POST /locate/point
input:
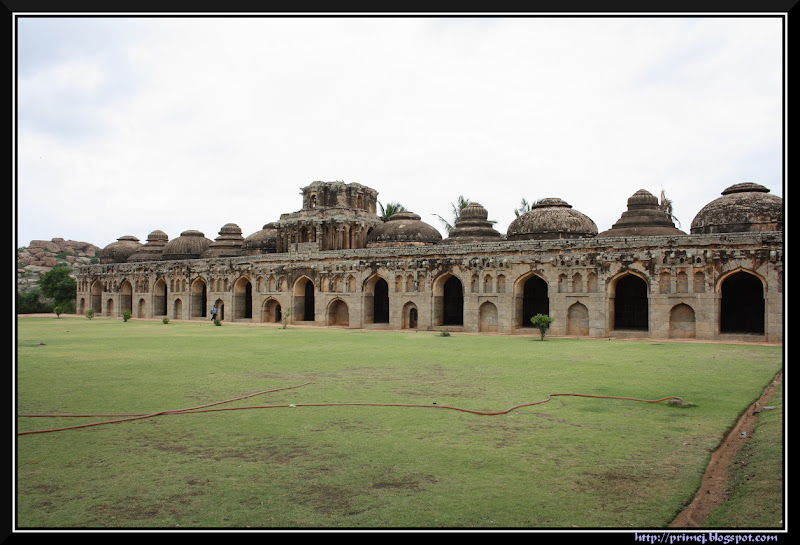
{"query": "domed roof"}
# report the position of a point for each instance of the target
(152, 250)
(551, 218)
(264, 241)
(190, 245)
(473, 226)
(745, 207)
(403, 229)
(643, 218)
(227, 244)
(119, 251)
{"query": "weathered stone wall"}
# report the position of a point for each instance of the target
(683, 276)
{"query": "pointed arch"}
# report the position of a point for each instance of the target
(448, 300)
(242, 299)
(682, 323)
(629, 295)
(338, 314)
(304, 303)
(531, 297)
(742, 305)
(198, 298)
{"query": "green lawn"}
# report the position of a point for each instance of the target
(572, 462)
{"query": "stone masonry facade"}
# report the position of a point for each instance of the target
(336, 263)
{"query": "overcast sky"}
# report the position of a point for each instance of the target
(128, 125)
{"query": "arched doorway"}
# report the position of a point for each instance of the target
(160, 298)
(96, 295)
(453, 302)
(126, 297)
(380, 303)
(198, 298)
(304, 300)
(271, 312)
(630, 303)
(742, 304)
(243, 299)
(534, 300)
(410, 316)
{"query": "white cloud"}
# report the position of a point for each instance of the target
(194, 123)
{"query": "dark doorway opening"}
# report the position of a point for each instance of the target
(534, 299)
(742, 307)
(630, 303)
(453, 302)
(380, 302)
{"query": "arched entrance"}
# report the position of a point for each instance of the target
(304, 300)
(160, 298)
(630, 303)
(742, 304)
(453, 302)
(532, 299)
(271, 312)
(96, 295)
(410, 316)
(126, 297)
(243, 299)
(376, 300)
(198, 298)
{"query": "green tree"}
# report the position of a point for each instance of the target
(391, 209)
(542, 321)
(29, 303)
(455, 213)
(58, 285)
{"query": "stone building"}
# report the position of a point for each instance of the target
(337, 263)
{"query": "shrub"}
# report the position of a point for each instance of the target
(90, 313)
(217, 321)
(165, 321)
(126, 315)
(542, 321)
(444, 333)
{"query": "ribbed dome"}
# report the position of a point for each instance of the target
(152, 250)
(551, 218)
(643, 218)
(190, 245)
(264, 241)
(227, 244)
(473, 226)
(745, 207)
(403, 229)
(121, 250)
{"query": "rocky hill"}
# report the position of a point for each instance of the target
(42, 255)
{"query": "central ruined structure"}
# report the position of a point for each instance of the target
(335, 262)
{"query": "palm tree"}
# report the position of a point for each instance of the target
(524, 206)
(456, 209)
(391, 209)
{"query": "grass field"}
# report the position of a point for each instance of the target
(572, 462)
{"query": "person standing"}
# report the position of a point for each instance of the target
(213, 313)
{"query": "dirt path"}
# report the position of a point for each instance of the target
(713, 487)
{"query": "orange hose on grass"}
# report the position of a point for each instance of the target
(206, 408)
